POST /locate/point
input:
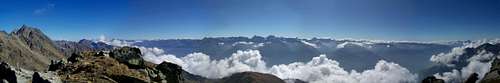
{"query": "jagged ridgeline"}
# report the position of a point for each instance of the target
(28, 48)
(27, 55)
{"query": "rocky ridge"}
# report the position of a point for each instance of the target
(28, 48)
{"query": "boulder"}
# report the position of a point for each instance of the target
(130, 56)
(38, 79)
(75, 57)
(56, 65)
(171, 71)
(472, 78)
(432, 79)
(6, 73)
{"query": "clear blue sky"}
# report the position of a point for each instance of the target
(416, 20)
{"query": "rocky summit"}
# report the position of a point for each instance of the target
(28, 48)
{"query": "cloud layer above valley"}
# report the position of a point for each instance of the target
(319, 69)
(479, 63)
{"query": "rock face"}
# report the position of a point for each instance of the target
(251, 77)
(171, 71)
(54, 65)
(472, 78)
(7, 74)
(493, 76)
(28, 48)
(37, 79)
(132, 57)
(432, 79)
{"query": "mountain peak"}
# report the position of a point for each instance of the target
(27, 29)
(28, 45)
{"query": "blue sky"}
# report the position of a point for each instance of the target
(415, 20)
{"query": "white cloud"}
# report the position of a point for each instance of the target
(310, 44)
(362, 44)
(44, 9)
(457, 76)
(319, 70)
(455, 54)
(323, 70)
(255, 45)
(479, 63)
(201, 64)
(242, 43)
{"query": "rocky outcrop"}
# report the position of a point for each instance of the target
(171, 71)
(75, 57)
(36, 78)
(251, 77)
(432, 79)
(37, 41)
(7, 74)
(472, 78)
(55, 65)
(91, 67)
(493, 76)
(28, 48)
(132, 57)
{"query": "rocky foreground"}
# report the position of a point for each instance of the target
(123, 64)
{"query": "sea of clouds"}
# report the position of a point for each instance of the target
(479, 63)
(319, 69)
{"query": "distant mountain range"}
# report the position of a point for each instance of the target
(351, 54)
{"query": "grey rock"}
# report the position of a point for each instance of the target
(131, 56)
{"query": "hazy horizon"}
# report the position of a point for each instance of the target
(410, 20)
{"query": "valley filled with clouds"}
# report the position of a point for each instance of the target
(321, 68)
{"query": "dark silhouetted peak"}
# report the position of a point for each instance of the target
(251, 77)
(432, 79)
(270, 37)
(472, 78)
(25, 29)
(85, 41)
(6, 73)
(489, 48)
(171, 71)
(258, 38)
(28, 45)
(38, 79)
